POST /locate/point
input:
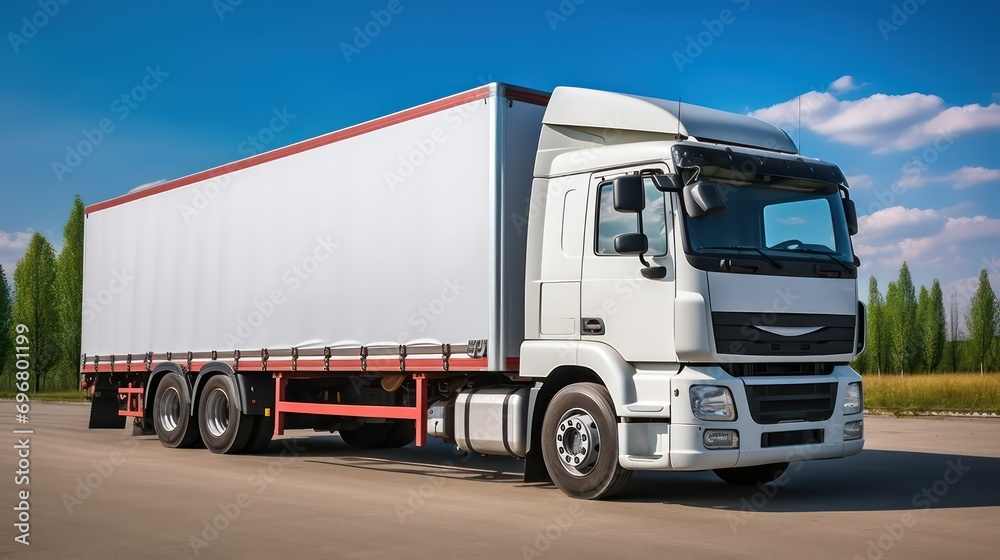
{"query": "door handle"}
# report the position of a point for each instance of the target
(593, 326)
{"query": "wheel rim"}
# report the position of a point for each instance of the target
(217, 413)
(170, 409)
(578, 442)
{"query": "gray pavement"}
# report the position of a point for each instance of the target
(923, 488)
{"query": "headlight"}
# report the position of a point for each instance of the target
(709, 402)
(852, 400)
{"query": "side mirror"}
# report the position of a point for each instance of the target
(631, 244)
(851, 213)
(670, 182)
(702, 198)
(629, 194)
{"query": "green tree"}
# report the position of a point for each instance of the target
(923, 319)
(876, 345)
(894, 327)
(70, 285)
(36, 305)
(934, 328)
(908, 318)
(982, 321)
(955, 331)
(6, 325)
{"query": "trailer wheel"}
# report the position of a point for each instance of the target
(749, 476)
(260, 435)
(580, 443)
(403, 433)
(224, 429)
(171, 413)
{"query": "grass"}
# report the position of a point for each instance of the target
(945, 392)
(60, 396)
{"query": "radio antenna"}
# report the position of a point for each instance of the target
(800, 123)
(678, 117)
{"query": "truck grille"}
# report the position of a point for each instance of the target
(748, 334)
(803, 402)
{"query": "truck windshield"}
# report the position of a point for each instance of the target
(775, 223)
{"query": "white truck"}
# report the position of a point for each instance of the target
(597, 283)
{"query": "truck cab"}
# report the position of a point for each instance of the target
(699, 273)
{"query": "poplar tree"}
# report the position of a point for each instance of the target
(982, 320)
(70, 285)
(934, 328)
(36, 305)
(6, 325)
(875, 346)
(923, 320)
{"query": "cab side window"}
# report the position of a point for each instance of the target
(611, 224)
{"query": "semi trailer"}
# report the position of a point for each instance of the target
(594, 282)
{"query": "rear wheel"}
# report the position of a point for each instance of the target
(749, 476)
(260, 435)
(224, 429)
(172, 420)
(580, 442)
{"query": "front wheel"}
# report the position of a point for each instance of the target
(580, 443)
(749, 476)
(224, 429)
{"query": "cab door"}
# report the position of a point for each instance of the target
(620, 307)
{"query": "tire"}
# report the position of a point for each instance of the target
(749, 476)
(368, 436)
(403, 433)
(260, 435)
(582, 416)
(172, 420)
(224, 429)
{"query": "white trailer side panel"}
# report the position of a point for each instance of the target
(382, 238)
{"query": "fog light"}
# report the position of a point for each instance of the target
(852, 399)
(854, 430)
(721, 439)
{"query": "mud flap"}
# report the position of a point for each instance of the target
(534, 468)
(104, 407)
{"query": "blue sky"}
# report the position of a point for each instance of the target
(901, 95)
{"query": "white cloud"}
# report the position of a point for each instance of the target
(844, 84)
(883, 122)
(927, 238)
(961, 178)
(12, 248)
(860, 181)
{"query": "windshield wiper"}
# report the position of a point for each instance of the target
(824, 253)
(773, 262)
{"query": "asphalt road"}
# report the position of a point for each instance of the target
(923, 488)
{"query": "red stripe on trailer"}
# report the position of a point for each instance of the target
(417, 413)
(513, 93)
(352, 365)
